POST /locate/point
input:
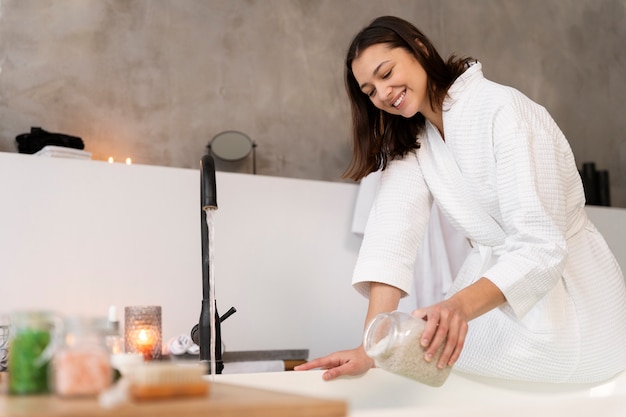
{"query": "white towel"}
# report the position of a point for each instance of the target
(63, 152)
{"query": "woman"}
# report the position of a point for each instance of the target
(540, 296)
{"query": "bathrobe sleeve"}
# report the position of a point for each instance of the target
(531, 167)
(395, 227)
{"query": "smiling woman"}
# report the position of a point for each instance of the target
(502, 172)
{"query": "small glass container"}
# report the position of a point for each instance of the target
(4, 341)
(142, 331)
(113, 338)
(393, 341)
(30, 346)
(81, 366)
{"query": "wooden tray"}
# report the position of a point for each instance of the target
(223, 400)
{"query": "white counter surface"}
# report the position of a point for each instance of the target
(379, 393)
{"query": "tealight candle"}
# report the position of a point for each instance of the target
(142, 331)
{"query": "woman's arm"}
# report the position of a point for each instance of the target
(383, 299)
(393, 234)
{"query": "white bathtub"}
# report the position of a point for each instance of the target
(381, 394)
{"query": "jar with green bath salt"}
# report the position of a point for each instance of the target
(31, 336)
(393, 341)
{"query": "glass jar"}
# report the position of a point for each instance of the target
(4, 341)
(393, 341)
(29, 351)
(81, 365)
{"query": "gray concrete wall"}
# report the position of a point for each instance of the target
(157, 79)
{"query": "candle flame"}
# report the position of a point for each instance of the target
(143, 337)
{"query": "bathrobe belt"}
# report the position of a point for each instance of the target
(486, 252)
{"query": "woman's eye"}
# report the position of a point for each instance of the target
(371, 94)
(387, 75)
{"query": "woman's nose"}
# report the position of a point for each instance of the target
(384, 92)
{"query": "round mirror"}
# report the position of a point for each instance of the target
(231, 145)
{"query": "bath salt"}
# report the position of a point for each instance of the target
(393, 341)
(81, 373)
(82, 366)
(407, 359)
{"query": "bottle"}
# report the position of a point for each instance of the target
(81, 366)
(393, 341)
(113, 338)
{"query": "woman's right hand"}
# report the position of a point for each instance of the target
(383, 298)
(346, 362)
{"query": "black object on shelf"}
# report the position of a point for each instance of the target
(596, 185)
(38, 138)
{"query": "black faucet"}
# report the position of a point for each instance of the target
(201, 332)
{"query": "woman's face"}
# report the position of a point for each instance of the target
(393, 79)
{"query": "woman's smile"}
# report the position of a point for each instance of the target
(393, 79)
(400, 100)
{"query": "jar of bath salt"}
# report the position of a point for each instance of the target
(393, 341)
(81, 366)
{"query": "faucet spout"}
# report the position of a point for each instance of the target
(208, 189)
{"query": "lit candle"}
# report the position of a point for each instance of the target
(143, 331)
(129, 161)
(144, 342)
(111, 160)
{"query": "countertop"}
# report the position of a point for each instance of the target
(223, 400)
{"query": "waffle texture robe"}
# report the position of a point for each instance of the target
(505, 177)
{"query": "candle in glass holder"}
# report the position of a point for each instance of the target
(142, 331)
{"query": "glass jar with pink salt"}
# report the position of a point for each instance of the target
(81, 366)
(393, 341)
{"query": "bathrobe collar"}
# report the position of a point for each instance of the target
(464, 82)
(444, 178)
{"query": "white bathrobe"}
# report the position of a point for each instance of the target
(443, 251)
(506, 178)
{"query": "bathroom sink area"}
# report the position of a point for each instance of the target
(265, 355)
(254, 361)
(382, 394)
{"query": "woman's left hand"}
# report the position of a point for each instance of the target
(445, 323)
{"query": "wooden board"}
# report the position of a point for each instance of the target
(223, 400)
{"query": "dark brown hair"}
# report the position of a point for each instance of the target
(377, 135)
